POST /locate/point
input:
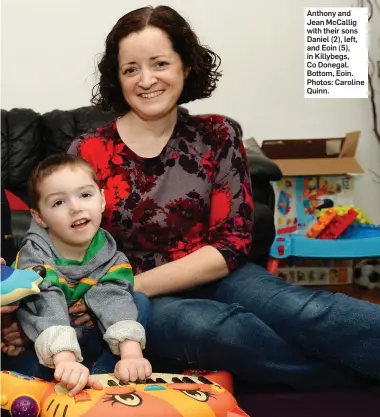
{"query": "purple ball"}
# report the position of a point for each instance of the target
(24, 406)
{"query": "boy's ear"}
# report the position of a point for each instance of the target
(37, 217)
(103, 200)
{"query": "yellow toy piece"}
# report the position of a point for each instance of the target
(362, 217)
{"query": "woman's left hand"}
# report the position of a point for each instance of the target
(11, 332)
(85, 319)
(12, 336)
(8, 309)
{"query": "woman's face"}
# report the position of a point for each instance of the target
(151, 73)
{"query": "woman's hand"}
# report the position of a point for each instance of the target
(12, 336)
(11, 350)
(84, 318)
(8, 309)
(12, 332)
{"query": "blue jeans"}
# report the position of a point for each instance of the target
(96, 354)
(265, 331)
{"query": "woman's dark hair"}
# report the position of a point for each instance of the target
(202, 62)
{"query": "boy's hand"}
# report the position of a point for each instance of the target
(73, 375)
(133, 368)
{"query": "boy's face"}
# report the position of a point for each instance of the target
(70, 206)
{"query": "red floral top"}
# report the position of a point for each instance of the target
(196, 192)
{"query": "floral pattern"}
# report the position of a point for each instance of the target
(196, 192)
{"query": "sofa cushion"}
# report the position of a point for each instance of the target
(61, 127)
(21, 146)
(8, 248)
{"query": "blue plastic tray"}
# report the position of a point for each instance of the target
(304, 247)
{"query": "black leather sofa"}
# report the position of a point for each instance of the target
(27, 137)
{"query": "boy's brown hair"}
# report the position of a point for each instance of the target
(50, 165)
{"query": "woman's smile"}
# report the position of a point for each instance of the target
(152, 94)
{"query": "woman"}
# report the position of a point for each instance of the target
(179, 203)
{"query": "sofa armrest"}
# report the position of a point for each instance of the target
(261, 167)
(20, 221)
(263, 234)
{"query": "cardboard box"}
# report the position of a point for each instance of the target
(305, 271)
(329, 156)
(318, 173)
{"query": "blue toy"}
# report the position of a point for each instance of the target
(361, 231)
(358, 245)
(17, 284)
(283, 204)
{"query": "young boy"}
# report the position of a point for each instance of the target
(82, 264)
